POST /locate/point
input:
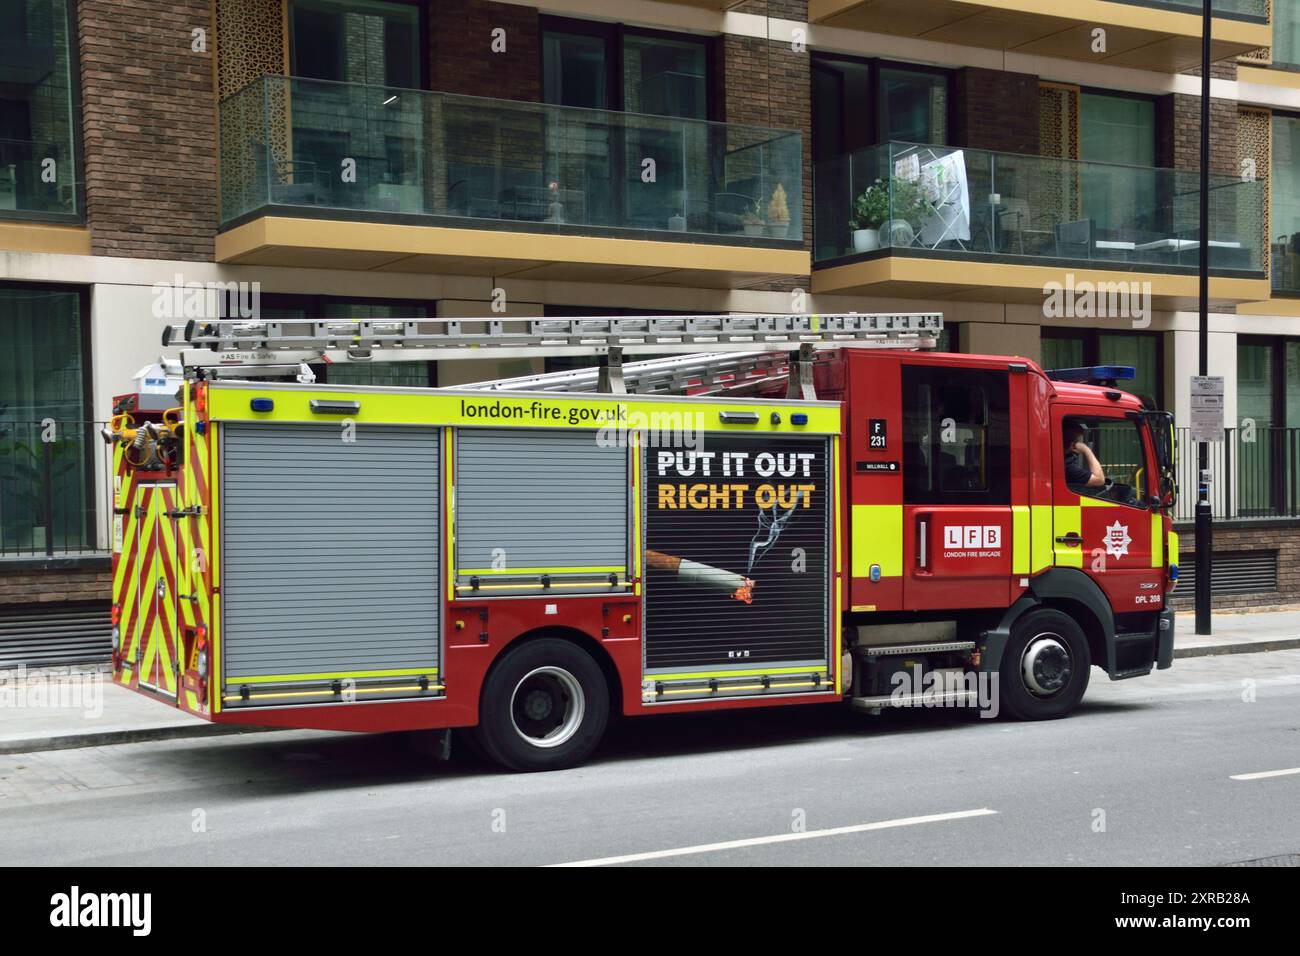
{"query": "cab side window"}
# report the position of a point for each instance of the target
(956, 436)
(1115, 445)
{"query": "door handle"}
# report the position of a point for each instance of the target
(923, 544)
(1073, 539)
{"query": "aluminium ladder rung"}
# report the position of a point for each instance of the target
(254, 342)
(707, 373)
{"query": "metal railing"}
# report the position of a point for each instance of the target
(291, 142)
(917, 199)
(48, 487)
(1255, 473)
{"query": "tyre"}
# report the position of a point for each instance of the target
(545, 706)
(1045, 666)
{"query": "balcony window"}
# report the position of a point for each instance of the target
(912, 106)
(40, 175)
(1079, 348)
(355, 41)
(937, 201)
(1117, 130)
(1286, 33)
(46, 441)
(1284, 196)
(463, 160)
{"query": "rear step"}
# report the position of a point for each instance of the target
(958, 698)
(897, 650)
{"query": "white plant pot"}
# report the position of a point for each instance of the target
(778, 230)
(677, 223)
(753, 228)
(866, 240)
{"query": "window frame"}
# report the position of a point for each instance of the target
(613, 35)
(76, 142)
(92, 512)
(997, 466)
(874, 67)
(313, 306)
(1091, 339)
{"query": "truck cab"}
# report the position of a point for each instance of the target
(977, 517)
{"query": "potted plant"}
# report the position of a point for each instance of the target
(677, 221)
(752, 220)
(870, 209)
(778, 214)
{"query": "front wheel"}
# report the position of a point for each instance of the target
(545, 706)
(1045, 666)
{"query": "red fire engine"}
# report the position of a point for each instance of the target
(783, 510)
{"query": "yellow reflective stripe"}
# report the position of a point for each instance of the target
(1173, 547)
(705, 675)
(1157, 540)
(1067, 518)
(594, 569)
(838, 583)
(703, 690)
(635, 446)
(449, 507)
(877, 532)
(1088, 502)
(1020, 535)
(1040, 521)
(325, 690)
(333, 675)
(411, 407)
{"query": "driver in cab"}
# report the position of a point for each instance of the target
(1081, 466)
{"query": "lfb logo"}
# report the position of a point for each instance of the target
(972, 536)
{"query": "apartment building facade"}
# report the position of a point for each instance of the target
(371, 158)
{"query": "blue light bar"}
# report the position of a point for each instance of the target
(1093, 374)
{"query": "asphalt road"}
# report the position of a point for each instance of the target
(1143, 773)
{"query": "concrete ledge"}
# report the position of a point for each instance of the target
(1239, 647)
(108, 737)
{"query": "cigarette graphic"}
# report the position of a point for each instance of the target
(738, 586)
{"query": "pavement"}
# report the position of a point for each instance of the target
(1198, 765)
(59, 709)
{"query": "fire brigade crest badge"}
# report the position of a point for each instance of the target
(1117, 540)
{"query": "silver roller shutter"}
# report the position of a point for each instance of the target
(529, 499)
(330, 549)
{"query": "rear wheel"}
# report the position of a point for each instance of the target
(1045, 666)
(545, 706)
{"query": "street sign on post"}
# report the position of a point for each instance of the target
(1207, 408)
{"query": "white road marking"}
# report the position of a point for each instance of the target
(782, 838)
(1263, 774)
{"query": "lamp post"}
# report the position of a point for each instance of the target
(1204, 512)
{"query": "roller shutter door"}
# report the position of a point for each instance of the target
(540, 501)
(330, 550)
(737, 562)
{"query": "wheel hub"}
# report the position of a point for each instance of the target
(1046, 665)
(547, 707)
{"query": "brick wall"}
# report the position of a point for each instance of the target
(460, 50)
(769, 84)
(995, 110)
(1178, 120)
(33, 586)
(1285, 540)
(150, 128)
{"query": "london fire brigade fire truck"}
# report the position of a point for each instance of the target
(770, 510)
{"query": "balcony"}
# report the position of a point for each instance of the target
(335, 175)
(938, 222)
(1162, 35)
